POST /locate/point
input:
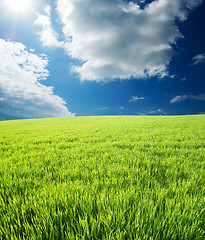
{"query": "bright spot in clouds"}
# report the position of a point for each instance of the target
(19, 5)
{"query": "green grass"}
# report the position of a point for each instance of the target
(103, 178)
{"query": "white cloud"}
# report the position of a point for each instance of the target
(200, 97)
(158, 111)
(22, 94)
(199, 59)
(48, 36)
(118, 39)
(172, 76)
(135, 99)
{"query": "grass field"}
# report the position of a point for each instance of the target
(103, 178)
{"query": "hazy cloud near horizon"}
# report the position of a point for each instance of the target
(118, 39)
(22, 94)
(199, 97)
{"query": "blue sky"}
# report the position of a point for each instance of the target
(104, 57)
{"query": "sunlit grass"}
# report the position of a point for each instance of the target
(103, 178)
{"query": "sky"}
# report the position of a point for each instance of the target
(62, 58)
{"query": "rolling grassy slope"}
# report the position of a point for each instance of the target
(103, 178)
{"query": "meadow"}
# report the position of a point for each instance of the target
(116, 177)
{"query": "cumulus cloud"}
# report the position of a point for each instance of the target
(48, 36)
(200, 97)
(199, 59)
(135, 99)
(22, 95)
(121, 39)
